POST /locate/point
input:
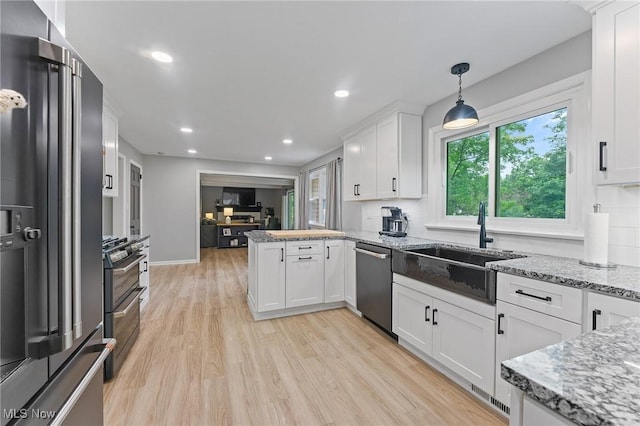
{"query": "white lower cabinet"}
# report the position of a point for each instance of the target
(267, 287)
(520, 331)
(304, 280)
(531, 315)
(334, 271)
(457, 338)
(411, 317)
(604, 311)
(350, 273)
(465, 342)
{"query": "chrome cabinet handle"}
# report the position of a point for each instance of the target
(371, 253)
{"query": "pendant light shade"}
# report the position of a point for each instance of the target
(461, 115)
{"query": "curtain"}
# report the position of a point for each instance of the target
(303, 216)
(333, 215)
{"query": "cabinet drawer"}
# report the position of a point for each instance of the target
(548, 298)
(295, 248)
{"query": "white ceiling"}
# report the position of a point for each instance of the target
(246, 75)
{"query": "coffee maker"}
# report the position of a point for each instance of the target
(393, 222)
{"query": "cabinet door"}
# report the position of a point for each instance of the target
(387, 158)
(411, 317)
(616, 92)
(520, 331)
(334, 271)
(109, 152)
(409, 184)
(604, 311)
(464, 342)
(367, 180)
(305, 280)
(350, 273)
(270, 276)
(351, 168)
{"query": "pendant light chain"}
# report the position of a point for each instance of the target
(459, 87)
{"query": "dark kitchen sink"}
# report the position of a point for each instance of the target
(458, 270)
(458, 255)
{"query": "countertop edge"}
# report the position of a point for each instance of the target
(552, 400)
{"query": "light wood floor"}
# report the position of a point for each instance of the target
(202, 360)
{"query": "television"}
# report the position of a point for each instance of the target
(238, 196)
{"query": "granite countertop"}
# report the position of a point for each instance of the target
(592, 379)
(621, 281)
(398, 243)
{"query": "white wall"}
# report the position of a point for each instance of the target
(564, 60)
(169, 199)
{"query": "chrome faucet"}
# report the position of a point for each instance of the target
(483, 230)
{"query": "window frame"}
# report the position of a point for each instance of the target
(572, 93)
(321, 173)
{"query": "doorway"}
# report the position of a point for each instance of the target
(134, 201)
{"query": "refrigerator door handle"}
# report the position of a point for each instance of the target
(108, 346)
(61, 57)
(76, 118)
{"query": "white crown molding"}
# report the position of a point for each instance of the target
(392, 108)
(591, 6)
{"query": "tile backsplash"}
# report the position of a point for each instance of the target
(622, 203)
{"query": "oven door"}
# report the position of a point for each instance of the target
(120, 280)
(124, 326)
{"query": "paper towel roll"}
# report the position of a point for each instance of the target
(596, 238)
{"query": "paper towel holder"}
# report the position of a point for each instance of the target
(596, 209)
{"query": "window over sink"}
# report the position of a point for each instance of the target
(527, 159)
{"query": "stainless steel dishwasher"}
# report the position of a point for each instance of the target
(374, 284)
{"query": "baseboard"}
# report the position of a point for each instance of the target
(258, 316)
(173, 262)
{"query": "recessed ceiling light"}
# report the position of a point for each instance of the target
(268, 158)
(186, 129)
(341, 93)
(287, 141)
(161, 56)
(192, 151)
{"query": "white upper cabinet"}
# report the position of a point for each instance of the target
(360, 174)
(399, 160)
(383, 155)
(109, 152)
(616, 92)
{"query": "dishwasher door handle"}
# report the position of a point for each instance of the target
(371, 253)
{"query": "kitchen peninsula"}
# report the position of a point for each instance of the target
(556, 300)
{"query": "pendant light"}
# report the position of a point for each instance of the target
(461, 115)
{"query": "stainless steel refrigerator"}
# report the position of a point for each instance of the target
(51, 339)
